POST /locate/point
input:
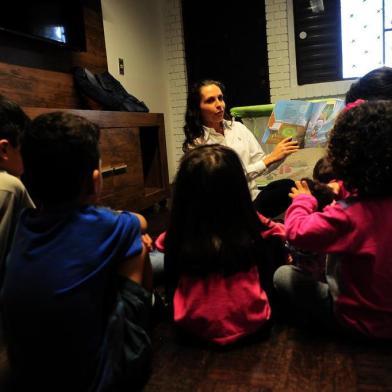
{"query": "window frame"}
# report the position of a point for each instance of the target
(301, 76)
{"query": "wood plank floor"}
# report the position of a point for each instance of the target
(289, 359)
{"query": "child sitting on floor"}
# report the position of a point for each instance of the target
(355, 231)
(13, 195)
(213, 247)
(326, 189)
(67, 327)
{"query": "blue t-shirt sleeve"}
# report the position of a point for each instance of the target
(132, 236)
(117, 237)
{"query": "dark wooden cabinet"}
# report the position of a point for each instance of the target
(133, 152)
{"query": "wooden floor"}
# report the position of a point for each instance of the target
(289, 359)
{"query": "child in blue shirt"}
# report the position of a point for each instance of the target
(73, 296)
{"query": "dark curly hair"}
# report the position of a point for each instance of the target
(360, 149)
(376, 84)
(193, 127)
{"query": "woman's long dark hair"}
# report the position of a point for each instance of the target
(213, 226)
(193, 127)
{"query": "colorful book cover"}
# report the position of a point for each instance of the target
(307, 122)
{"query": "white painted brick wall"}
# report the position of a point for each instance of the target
(281, 58)
(175, 59)
(281, 61)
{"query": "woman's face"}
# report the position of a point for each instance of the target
(212, 105)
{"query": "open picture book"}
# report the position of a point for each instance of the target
(307, 122)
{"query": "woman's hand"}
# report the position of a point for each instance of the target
(301, 188)
(282, 150)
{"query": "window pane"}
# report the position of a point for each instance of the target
(388, 13)
(388, 48)
(362, 36)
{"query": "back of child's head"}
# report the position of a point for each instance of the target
(360, 149)
(323, 172)
(13, 121)
(213, 225)
(60, 152)
(322, 192)
(376, 84)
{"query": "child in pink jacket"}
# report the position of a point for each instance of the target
(355, 231)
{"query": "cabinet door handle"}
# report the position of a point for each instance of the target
(110, 171)
(107, 171)
(120, 168)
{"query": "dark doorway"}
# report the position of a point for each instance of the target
(227, 41)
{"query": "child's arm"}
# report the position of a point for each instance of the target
(146, 239)
(143, 222)
(275, 229)
(138, 268)
(327, 231)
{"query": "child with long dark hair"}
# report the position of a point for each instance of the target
(354, 231)
(213, 247)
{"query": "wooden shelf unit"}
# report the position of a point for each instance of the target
(133, 152)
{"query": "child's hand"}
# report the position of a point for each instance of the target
(335, 186)
(301, 188)
(147, 241)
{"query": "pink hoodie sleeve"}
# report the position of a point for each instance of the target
(160, 242)
(328, 231)
(274, 228)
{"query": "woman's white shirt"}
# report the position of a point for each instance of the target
(238, 137)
